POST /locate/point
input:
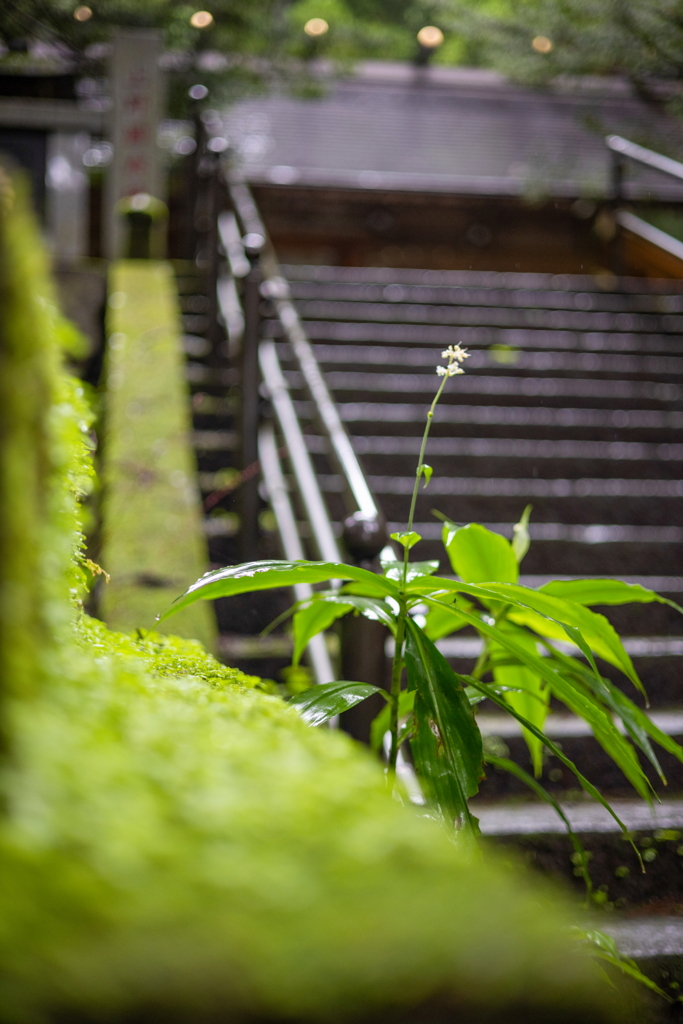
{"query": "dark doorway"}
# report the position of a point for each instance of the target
(27, 148)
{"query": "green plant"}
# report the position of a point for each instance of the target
(434, 709)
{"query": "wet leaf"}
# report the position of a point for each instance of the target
(325, 700)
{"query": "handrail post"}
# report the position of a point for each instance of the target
(363, 655)
(616, 197)
(249, 497)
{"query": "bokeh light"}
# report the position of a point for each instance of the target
(541, 44)
(201, 19)
(316, 27)
(430, 36)
(83, 14)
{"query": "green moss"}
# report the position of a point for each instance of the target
(162, 655)
(193, 849)
(152, 542)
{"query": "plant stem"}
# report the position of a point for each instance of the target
(396, 670)
(418, 471)
(480, 667)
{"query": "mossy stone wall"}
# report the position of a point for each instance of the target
(152, 541)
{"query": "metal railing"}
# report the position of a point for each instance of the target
(252, 277)
(623, 150)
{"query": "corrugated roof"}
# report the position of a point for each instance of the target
(459, 131)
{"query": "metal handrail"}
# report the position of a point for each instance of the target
(278, 290)
(278, 496)
(363, 530)
(275, 288)
(647, 157)
(307, 482)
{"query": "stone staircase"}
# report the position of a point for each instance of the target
(572, 402)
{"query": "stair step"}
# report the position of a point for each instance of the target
(438, 337)
(507, 448)
(214, 440)
(599, 487)
(530, 387)
(209, 376)
(504, 416)
(636, 646)
(646, 937)
(586, 818)
(503, 359)
(593, 533)
(489, 279)
(458, 315)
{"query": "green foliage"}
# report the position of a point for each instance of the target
(162, 655)
(642, 40)
(44, 459)
(247, 31)
(320, 703)
(177, 846)
(520, 668)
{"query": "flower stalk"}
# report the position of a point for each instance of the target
(454, 356)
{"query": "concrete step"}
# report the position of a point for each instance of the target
(472, 335)
(457, 315)
(537, 832)
(605, 283)
(494, 360)
(396, 283)
(510, 417)
(539, 298)
(548, 389)
(535, 449)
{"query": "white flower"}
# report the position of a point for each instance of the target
(454, 354)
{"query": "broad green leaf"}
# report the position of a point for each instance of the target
(596, 630)
(583, 781)
(521, 541)
(506, 765)
(599, 591)
(408, 540)
(426, 471)
(365, 589)
(478, 555)
(313, 619)
(442, 620)
(268, 575)
(637, 723)
(382, 722)
(448, 743)
(531, 698)
(435, 775)
(325, 700)
(394, 570)
(373, 608)
(577, 700)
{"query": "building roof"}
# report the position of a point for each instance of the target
(451, 130)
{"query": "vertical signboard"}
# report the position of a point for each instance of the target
(136, 86)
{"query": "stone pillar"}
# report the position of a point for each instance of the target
(137, 105)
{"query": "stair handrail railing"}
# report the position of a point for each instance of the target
(621, 150)
(364, 531)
